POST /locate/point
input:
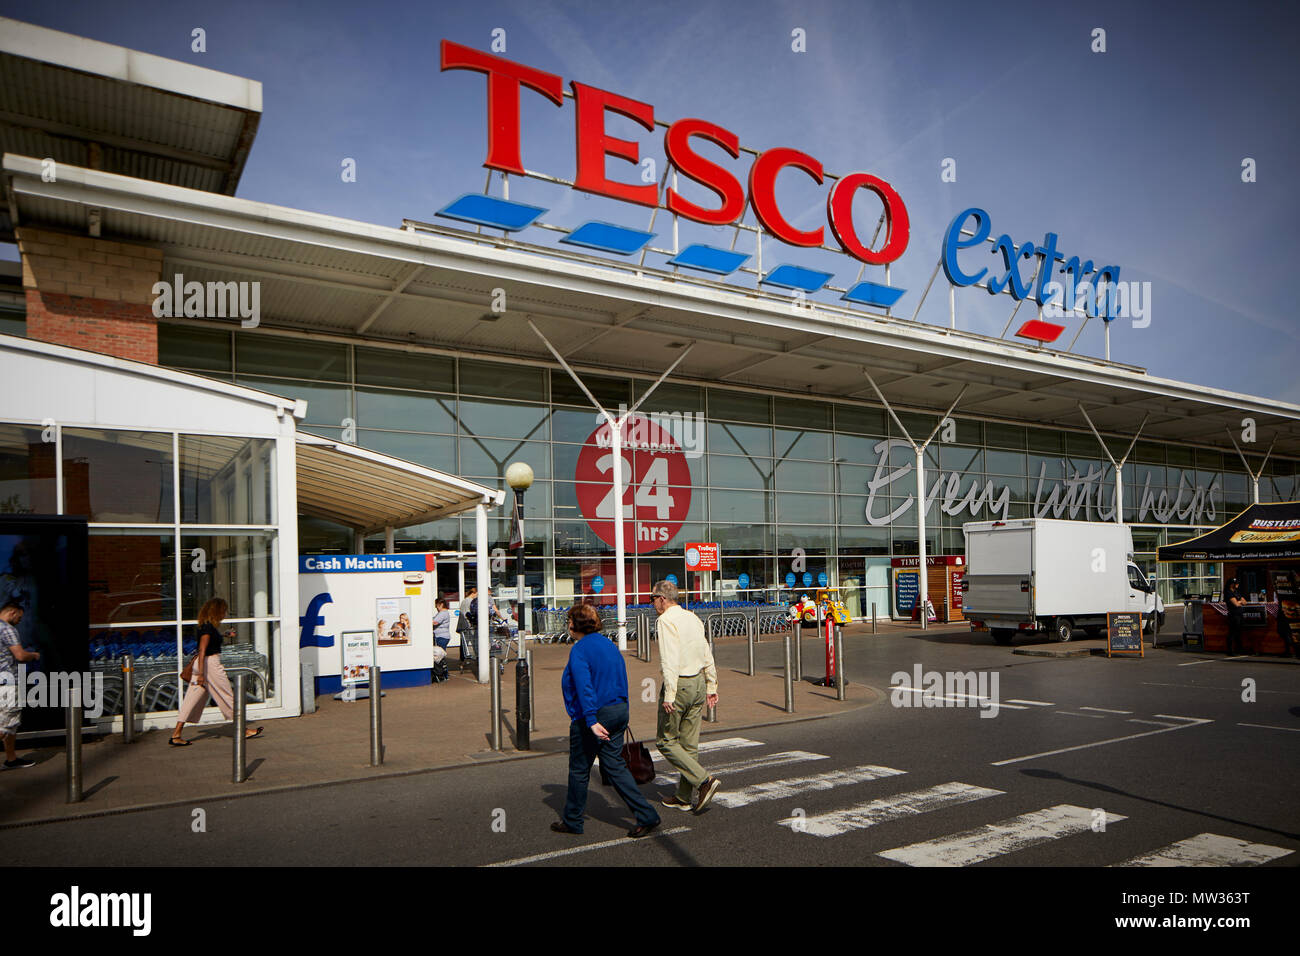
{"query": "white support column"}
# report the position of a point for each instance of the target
(1254, 475)
(1117, 465)
(616, 445)
(620, 556)
(483, 580)
(287, 656)
(922, 570)
(1119, 494)
(358, 542)
(388, 540)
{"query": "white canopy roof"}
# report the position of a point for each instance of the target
(371, 491)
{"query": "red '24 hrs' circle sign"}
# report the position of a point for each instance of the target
(656, 485)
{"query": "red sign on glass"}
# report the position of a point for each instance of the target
(701, 557)
(656, 493)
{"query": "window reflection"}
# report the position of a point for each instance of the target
(26, 471)
(118, 477)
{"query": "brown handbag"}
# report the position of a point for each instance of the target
(637, 757)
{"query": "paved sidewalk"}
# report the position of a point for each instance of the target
(425, 728)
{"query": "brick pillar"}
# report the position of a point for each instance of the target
(90, 293)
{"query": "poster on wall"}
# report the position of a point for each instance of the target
(358, 657)
(1287, 589)
(907, 584)
(393, 621)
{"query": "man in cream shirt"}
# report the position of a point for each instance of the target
(690, 681)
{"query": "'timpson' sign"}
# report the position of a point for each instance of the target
(506, 78)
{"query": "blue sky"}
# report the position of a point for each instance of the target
(1132, 156)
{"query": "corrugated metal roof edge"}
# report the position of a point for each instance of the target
(332, 229)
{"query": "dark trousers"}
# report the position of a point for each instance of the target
(584, 748)
(1234, 634)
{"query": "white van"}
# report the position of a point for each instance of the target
(1043, 574)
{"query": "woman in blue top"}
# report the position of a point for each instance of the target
(595, 696)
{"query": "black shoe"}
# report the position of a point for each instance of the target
(642, 829)
(559, 826)
(19, 763)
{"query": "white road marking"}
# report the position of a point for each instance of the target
(587, 849)
(709, 746)
(1294, 730)
(1215, 660)
(1157, 723)
(996, 839)
(954, 698)
(888, 808)
(1070, 713)
(1032, 703)
(739, 766)
(1107, 710)
(1209, 849)
(780, 789)
(1101, 743)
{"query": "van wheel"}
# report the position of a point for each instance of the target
(1063, 629)
(1003, 636)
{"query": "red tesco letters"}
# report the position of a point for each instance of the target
(506, 78)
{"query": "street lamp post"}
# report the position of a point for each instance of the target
(520, 478)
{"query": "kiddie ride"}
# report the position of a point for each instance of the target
(828, 599)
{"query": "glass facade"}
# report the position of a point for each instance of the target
(174, 519)
(761, 475)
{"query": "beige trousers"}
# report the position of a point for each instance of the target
(196, 697)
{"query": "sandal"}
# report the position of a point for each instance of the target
(255, 733)
(173, 741)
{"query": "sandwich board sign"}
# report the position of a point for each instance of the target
(1124, 633)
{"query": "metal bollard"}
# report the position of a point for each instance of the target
(789, 685)
(523, 708)
(494, 682)
(798, 649)
(532, 710)
(749, 632)
(239, 771)
(128, 699)
(839, 664)
(73, 717)
(875, 623)
(376, 717)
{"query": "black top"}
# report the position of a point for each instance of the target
(214, 638)
(1233, 610)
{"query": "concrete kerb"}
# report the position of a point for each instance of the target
(478, 760)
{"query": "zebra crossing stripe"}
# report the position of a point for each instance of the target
(780, 789)
(885, 809)
(1208, 849)
(740, 766)
(996, 839)
(710, 746)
